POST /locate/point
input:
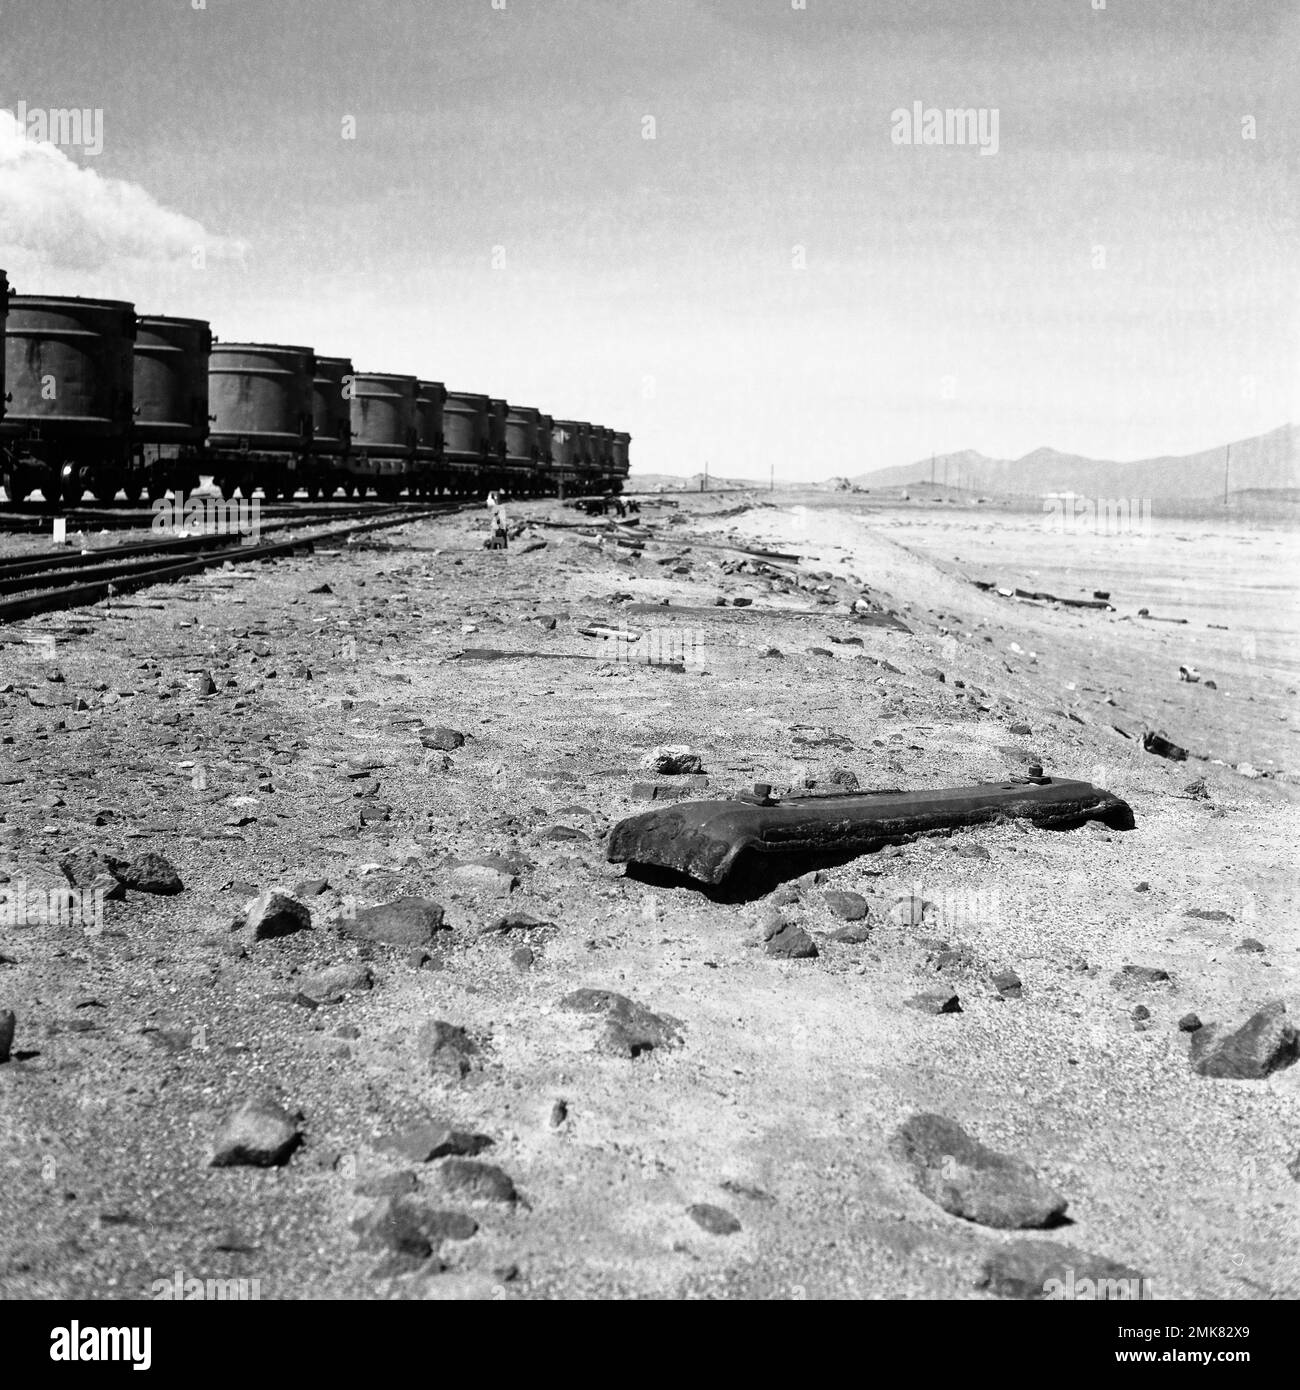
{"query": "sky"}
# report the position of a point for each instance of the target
(701, 221)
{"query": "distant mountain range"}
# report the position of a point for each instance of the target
(1268, 461)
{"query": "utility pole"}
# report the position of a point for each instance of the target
(1227, 458)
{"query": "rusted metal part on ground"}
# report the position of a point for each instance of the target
(496, 654)
(1163, 747)
(886, 620)
(704, 839)
(1098, 599)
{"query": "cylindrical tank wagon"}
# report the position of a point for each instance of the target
(430, 475)
(385, 432)
(4, 315)
(466, 437)
(69, 366)
(170, 415)
(331, 435)
(262, 416)
(522, 429)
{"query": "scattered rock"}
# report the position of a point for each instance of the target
(1250, 946)
(259, 1134)
(1265, 1043)
(851, 907)
(491, 874)
(1008, 984)
(514, 921)
(446, 1047)
(672, 759)
(1189, 1023)
(441, 738)
(791, 943)
(1140, 975)
(408, 1227)
(940, 1001)
(273, 914)
(406, 921)
(770, 921)
(87, 871)
(424, 1142)
(336, 980)
(853, 935)
(717, 1221)
(970, 1180)
(8, 1023)
(1020, 730)
(1047, 1269)
(1208, 914)
(475, 1181)
(629, 1028)
(387, 1185)
(523, 958)
(311, 887)
(1197, 789)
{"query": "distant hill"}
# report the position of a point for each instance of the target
(648, 482)
(1268, 461)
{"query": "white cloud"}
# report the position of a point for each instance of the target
(56, 215)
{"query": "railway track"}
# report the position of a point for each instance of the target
(33, 584)
(130, 517)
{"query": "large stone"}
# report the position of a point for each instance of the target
(850, 907)
(407, 1227)
(442, 739)
(404, 922)
(336, 980)
(446, 1047)
(1139, 975)
(424, 1142)
(629, 1028)
(1047, 1269)
(673, 759)
(148, 873)
(259, 1134)
(275, 913)
(717, 1221)
(791, 943)
(88, 871)
(1265, 1043)
(474, 1181)
(490, 874)
(970, 1180)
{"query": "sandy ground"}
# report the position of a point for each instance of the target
(134, 1043)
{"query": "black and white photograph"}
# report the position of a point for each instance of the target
(649, 653)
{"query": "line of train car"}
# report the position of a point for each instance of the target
(97, 398)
